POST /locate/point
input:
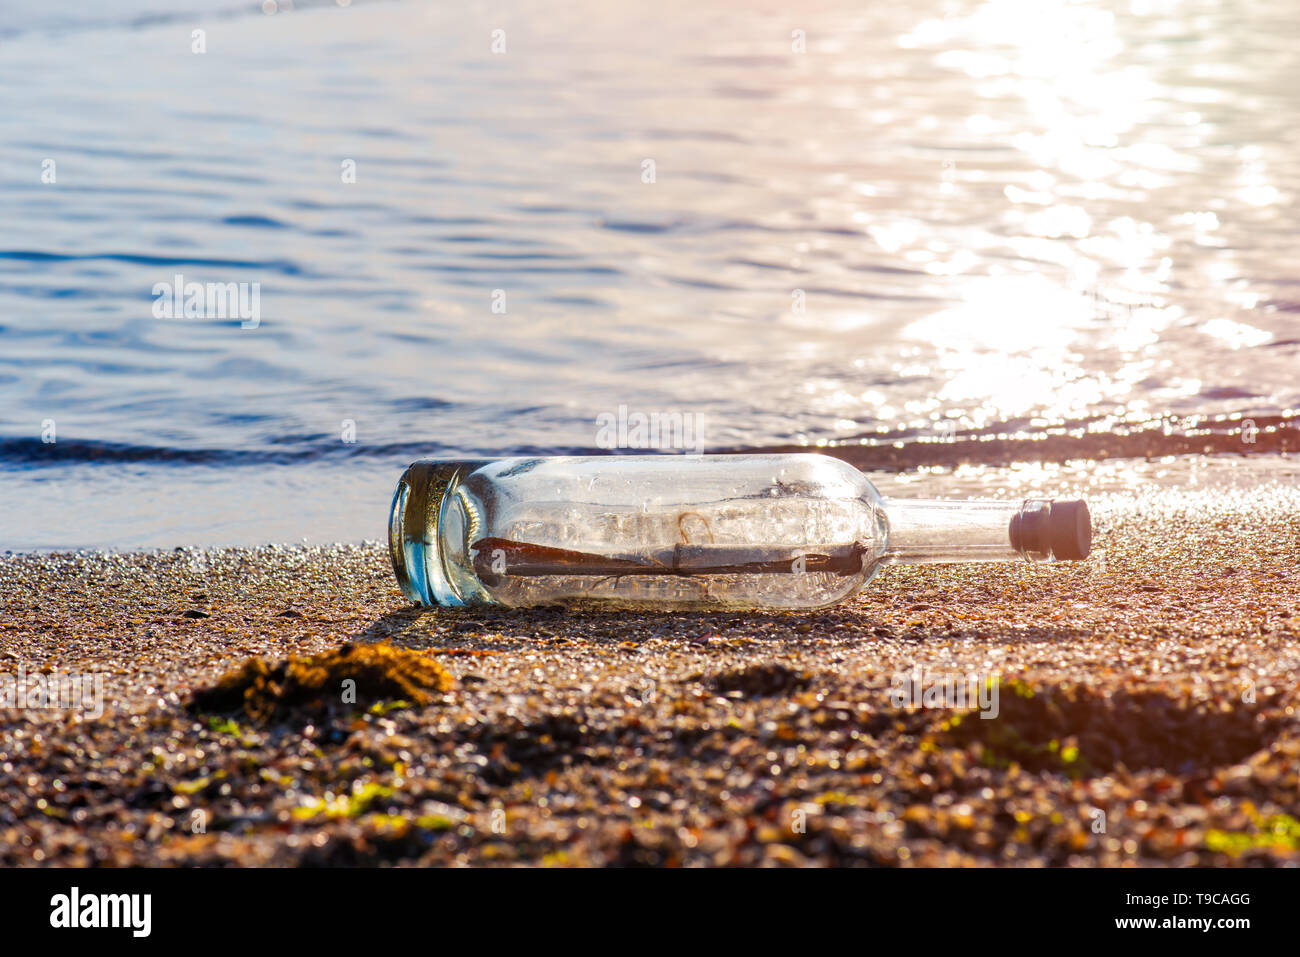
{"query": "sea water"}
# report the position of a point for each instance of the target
(484, 229)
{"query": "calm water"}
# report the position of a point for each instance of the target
(970, 217)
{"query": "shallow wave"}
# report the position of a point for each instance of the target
(1261, 435)
(26, 453)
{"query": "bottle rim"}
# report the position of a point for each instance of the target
(414, 527)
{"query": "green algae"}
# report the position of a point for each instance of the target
(1274, 831)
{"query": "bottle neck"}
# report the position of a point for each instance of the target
(922, 531)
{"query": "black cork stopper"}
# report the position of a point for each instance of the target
(1063, 529)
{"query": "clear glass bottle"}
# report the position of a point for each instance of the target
(688, 532)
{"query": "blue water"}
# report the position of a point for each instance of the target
(988, 217)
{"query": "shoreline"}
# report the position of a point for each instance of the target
(701, 738)
(72, 506)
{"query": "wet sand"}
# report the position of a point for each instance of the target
(1147, 713)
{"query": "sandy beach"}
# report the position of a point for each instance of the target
(1146, 713)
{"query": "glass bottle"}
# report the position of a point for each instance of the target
(676, 532)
